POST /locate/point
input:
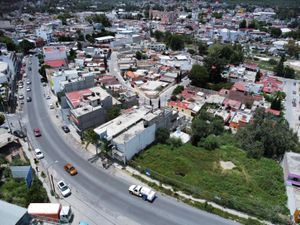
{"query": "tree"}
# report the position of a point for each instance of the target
(72, 55)
(258, 76)
(289, 72)
(279, 69)
(162, 135)
(199, 76)
(79, 45)
(176, 42)
(11, 46)
(138, 55)
(178, 90)
(2, 119)
(202, 48)
(210, 142)
(243, 24)
(275, 32)
(42, 71)
(159, 36)
(292, 49)
(105, 63)
(25, 46)
(205, 124)
(267, 136)
(113, 112)
(99, 19)
(90, 137)
(277, 99)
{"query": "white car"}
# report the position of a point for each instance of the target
(38, 153)
(21, 97)
(51, 106)
(64, 188)
(28, 89)
(146, 193)
(48, 97)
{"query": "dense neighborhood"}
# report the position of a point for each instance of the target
(198, 100)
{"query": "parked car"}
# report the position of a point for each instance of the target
(48, 97)
(28, 89)
(65, 129)
(38, 153)
(19, 133)
(51, 106)
(28, 81)
(21, 97)
(28, 99)
(70, 169)
(37, 132)
(64, 188)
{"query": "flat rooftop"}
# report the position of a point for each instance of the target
(10, 214)
(130, 133)
(121, 123)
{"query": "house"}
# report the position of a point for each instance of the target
(55, 56)
(270, 84)
(134, 130)
(239, 119)
(45, 32)
(9, 64)
(88, 107)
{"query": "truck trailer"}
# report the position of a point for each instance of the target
(51, 211)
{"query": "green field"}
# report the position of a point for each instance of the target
(253, 186)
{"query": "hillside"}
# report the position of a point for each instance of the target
(280, 3)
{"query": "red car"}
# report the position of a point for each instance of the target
(37, 132)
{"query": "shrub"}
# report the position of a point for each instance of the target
(174, 142)
(162, 135)
(210, 142)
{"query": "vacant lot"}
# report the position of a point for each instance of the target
(253, 186)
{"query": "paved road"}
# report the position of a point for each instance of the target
(104, 191)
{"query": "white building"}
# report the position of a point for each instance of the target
(135, 130)
(8, 65)
(3, 72)
(45, 32)
(57, 77)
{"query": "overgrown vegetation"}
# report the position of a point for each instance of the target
(267, 136)
(253, 186)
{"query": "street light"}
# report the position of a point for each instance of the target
(47, 169)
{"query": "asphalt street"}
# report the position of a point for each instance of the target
(101, 189)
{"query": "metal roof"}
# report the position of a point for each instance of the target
(11, 214)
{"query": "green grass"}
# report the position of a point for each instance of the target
(254, 186)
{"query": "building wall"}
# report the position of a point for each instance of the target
(92, 119)
(11, 60)
(137, 142)
(86, 82)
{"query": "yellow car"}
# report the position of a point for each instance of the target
(70, 169)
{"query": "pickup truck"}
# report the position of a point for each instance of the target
(146, 193)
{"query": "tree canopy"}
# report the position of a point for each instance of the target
(204, 125)
(267, 136)
(199, 75)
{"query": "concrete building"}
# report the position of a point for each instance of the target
(57, 77)
(88, 107)
(4, 72)
(55, 56)
(8, 65)
(81, 82)
(45, 32)
(134, 130)
(11, 214)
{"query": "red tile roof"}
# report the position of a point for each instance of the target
(178, 104)
(270, 84)
(273, 111)
(232, 103)
(56, 63)
(75, 96)
(239, 86)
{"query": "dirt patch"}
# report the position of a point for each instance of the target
(227, 165)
